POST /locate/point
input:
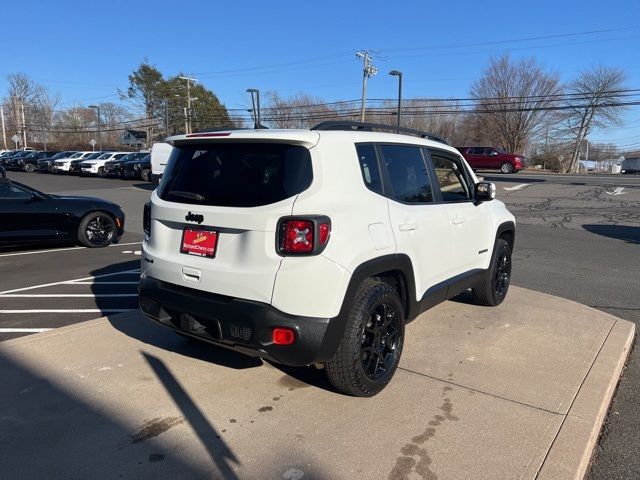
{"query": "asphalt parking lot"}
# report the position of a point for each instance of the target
(578, 238)
(60, 285)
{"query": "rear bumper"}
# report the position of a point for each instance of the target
(242, 325)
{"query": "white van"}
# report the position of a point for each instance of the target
(160, 152)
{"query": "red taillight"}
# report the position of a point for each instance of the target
(298, 236)
(325, 230)
(306, 235)
(283, 336)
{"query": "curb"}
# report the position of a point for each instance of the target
(571, 451)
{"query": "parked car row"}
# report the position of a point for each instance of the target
(130, 165)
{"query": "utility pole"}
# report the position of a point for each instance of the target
(24, 126)
(166, 117)
(4, 133)
(368, 70)
(186, 121)
(188, 116)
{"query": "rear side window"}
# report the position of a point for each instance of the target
(369, 167)
(236, 174)
(408, 173)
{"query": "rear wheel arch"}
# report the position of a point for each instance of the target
(395, 269)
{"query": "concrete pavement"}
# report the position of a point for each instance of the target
(519, 391)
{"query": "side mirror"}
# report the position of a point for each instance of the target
(484, 192)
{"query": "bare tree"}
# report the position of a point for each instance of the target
(512, 97)
(594, 102)
(298, 111)
(112, 117)
(42, 115)
(74, 127)
(23, 95)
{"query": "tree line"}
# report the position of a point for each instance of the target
(516, 104)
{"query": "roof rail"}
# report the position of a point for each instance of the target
(370, 127)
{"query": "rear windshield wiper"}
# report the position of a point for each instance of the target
(194, 196)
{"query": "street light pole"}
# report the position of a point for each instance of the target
(97, 108)
(398, 73)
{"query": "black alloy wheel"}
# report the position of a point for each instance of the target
(381, 341)
(493, 289)
(97, 229)
(29, 167)
(371, 345)
(502, 273)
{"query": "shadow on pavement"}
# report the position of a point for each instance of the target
(145, 186)
(70, 438)
(217, 449)
(147, 331)
(511, 179)
(629, 234)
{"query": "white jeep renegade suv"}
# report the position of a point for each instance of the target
(318, 246)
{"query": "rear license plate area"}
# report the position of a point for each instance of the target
(199, 242)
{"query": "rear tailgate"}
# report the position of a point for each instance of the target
(232, 194)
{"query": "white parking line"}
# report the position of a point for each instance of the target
(99, 283)
(68, 295)
(516, 187)
(130, 272)
(72, 310)
(34, 252)
(24, 330)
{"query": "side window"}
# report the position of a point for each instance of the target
(369, 167)
(408, 173)
(476, 151)
(9, 191)
(454, 184)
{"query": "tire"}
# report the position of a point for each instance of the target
(29, 167)
(100, 172)
(351, 370)
(97, 229)
(506, 168)
(493, 289)
(144, 175)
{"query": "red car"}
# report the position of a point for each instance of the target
(492, 157)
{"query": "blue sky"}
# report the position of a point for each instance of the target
(85, 50)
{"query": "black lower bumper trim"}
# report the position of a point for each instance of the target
(242, 325)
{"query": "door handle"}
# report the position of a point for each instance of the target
(407, 227)
(458, 220)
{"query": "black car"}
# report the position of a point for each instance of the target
(45, 164)
(74, 166)
(29, 216)
(139, 168)
(116, 167)
(6, 155)
(30, 162)
(11, 162)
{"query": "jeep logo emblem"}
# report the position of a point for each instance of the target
(192, 217)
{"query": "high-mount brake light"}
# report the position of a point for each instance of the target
(208, 134)
(303, 235)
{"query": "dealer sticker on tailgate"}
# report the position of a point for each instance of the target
(199, 242)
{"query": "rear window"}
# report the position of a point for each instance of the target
(236, 175)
